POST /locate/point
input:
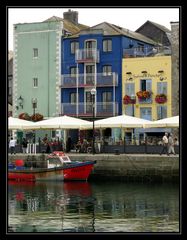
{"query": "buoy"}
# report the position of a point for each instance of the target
(19, 163)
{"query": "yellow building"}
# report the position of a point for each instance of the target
(143, 79)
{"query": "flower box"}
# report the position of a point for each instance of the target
(24, 116)
(143, 95)
(161, 98)
(127, 100)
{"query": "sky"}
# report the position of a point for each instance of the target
(130, 18)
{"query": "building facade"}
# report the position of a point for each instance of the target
(175, 67)
(143, 80)
(37, 64)
(92, 59)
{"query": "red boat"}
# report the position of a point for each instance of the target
(59, 167)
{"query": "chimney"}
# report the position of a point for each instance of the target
(71, 16)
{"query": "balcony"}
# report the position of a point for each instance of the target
(146, 52)
(102, 109)
(90, 55)
(89, 79)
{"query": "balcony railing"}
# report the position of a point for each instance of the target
(89, 79)
(145, 100)
(102, 109)
(87, 55)
(146, 52)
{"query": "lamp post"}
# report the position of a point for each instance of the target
(133, 99)
(20, 101)
(93, 93)
(34, 106)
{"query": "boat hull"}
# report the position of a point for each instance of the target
(69, 172)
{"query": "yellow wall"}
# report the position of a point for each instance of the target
(152, 65)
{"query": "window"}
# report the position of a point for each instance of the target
(9, 85)
(161, 112)
(74, 47)
(146, 85)
(73, 71)
(35, 82)
(107, 97)
(140, 47)
(73, 98)
(35, 52)
(129, 110)
(162, 87)
(107, 70)
(129, 89)
(146, 113)
(107, 45)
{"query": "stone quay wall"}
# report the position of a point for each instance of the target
(125, 167)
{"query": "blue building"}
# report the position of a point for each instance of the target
(92, 60)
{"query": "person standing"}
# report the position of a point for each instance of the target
(171, 145)
(165, 144)
(24, 145)
(12, 145)
(68, 144)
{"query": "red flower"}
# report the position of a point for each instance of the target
(127, 100)
(24, 116)
(161, 98)
(143, 94)
(37, 117)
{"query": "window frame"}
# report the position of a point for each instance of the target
(74, 45)
(35, 80)
(106, 46)
(35, 50)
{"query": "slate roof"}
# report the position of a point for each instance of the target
(111, 29)
(161, 27)
(68, 25)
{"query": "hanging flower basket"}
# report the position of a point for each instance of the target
(161, 98)
(143, 95)
(24, 116)
(37, 117)
(127, 100)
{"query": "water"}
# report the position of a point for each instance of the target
(93, 207)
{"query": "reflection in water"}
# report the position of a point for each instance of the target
(92, 207)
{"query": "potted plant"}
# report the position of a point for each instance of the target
(143, 95)
(24, 116)
(161, 98)
(127, 100)
(37, 117)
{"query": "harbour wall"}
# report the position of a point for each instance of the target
(124, 167)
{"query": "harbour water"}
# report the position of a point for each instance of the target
(89, 207)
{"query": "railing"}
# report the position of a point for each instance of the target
(105, 109)
(146, 52)
(87, 55)
(88, 80)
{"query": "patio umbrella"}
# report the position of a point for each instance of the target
(122, 121)
(63, 122)
(19, 124)
(170, 122)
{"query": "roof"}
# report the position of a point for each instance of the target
(68, 25)
(161, 27)
(111, 29)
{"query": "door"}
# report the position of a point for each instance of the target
(90, 75)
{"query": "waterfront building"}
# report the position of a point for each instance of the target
(147, 86)
(92, 59)
(157, 32)
(37, 63)
(175, 67)
(10, 81)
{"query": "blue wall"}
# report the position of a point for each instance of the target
(113, 58)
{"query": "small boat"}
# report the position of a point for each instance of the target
(59, 167)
